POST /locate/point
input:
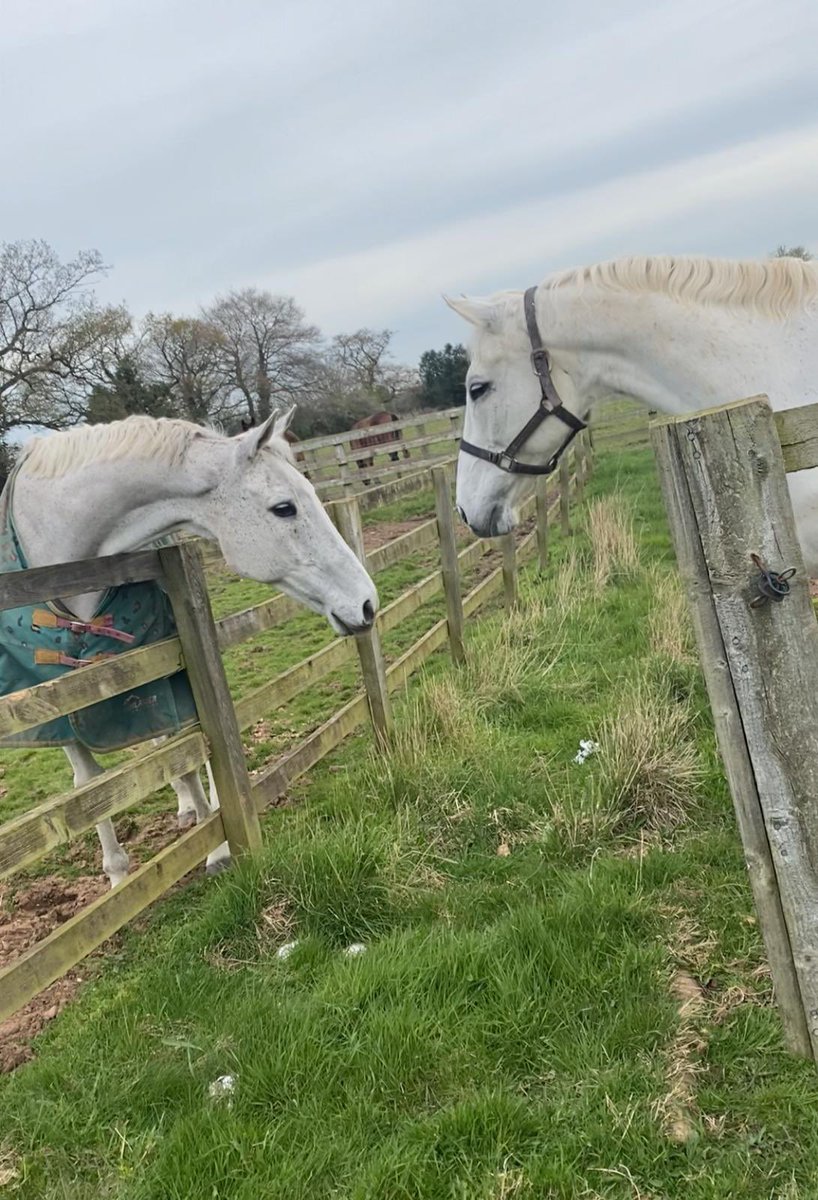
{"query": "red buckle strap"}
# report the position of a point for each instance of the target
(44, 618)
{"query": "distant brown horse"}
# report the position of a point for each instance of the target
(377, 439)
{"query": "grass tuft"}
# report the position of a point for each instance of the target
(613, 541)
(650, 767)
(670, 631)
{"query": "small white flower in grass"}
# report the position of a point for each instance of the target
(223, 1088)
(355, 948)
(286, 950)
(586, 749)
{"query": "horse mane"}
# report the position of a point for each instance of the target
(775, 287)
(165, 440)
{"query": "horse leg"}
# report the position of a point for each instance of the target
(191, 796)
(114, 859)
(185, 812)
(186, 816)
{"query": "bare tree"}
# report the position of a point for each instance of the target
(793, 252)
(267, 347)
(55, 341)
(186, 354)
(360, 355)
(363, 360)
(353, 378)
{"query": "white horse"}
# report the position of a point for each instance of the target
(680, 334)
(108, 489)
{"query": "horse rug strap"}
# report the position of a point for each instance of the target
(44, 641)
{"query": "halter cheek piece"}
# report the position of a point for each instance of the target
(550, 406)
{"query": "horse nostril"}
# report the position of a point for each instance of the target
(369, 612)
(462, 515)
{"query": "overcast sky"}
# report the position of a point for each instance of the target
(365, 156)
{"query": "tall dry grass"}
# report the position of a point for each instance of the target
(650, 770)
(614, 548)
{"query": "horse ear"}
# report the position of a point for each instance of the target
(480, 311)
(255, 439)
(282, 422)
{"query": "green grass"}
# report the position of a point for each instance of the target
(512, 1028)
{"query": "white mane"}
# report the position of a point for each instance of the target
(161, 439)
(775, 287)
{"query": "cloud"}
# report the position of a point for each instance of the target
(512, 247)
(366, 156)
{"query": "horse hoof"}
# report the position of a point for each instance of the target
(186, 820)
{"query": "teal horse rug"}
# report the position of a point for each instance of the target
(44, 641)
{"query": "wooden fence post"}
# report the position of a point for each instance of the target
(588, 452)
(347, 516)
(343, 469)
(187, 588)
(722, 475)
(579, 469)
(449, 562)
(509, 547)
(565, 496)
(542, 520)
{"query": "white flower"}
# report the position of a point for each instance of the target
(286, 950)
(586, 749)
(223, 1087)
(355, 948)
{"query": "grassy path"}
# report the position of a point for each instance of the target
(562, 994)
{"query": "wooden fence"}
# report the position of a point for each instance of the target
(430, 438)
(221, 720)
(726, 493)
(332, 462)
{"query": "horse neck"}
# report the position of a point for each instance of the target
(679, 358)
(108, 508)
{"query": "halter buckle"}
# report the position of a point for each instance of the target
(505, 461)
(539, 359)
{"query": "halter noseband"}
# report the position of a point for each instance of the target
(550, 406)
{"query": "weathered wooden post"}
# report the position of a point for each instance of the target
(542, 520)
(509, 548)
(343, 469)
(347, 516)
(565, 496)
(724, 484)
(449, 561)
(588, 452)
(579, 469)
(583, 461)
(187, 588)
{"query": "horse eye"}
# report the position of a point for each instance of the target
(476, 390)
(285, 509)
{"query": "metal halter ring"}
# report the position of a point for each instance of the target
(772, 585)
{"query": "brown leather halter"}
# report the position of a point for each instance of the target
(550, 406)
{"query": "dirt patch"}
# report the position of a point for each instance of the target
(146, 837)
(27, 915)
(386, 531)
(30, 911)
(683, 1059)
